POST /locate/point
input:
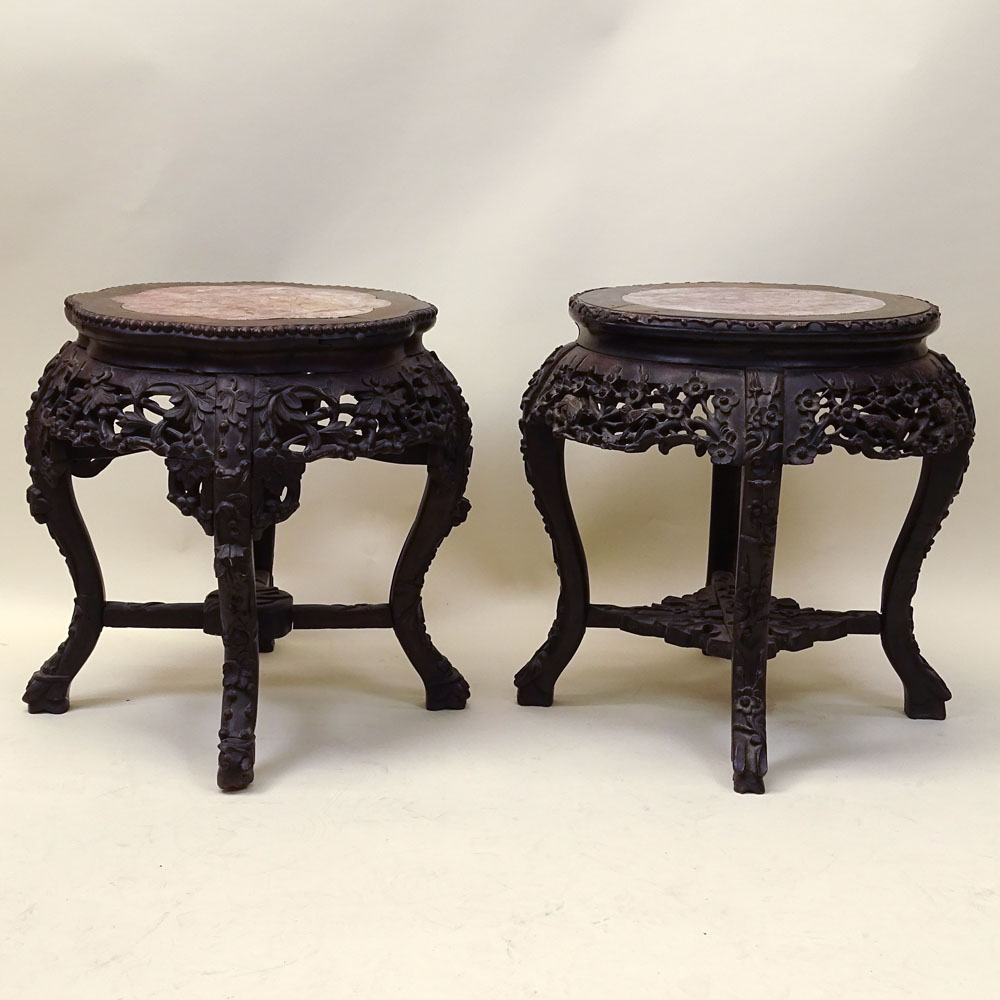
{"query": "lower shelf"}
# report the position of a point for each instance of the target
(703, 620)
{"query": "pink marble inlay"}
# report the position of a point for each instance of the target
(251, 302)
(747, 300)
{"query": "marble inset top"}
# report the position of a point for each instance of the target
(749, 300)
(251, 302)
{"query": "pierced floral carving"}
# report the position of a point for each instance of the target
(617, 411)
(117, 411)
(91, 406)
(413, 405)
(376, 417)
(917, 412)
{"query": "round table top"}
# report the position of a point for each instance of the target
(782, 321)
(251, 314)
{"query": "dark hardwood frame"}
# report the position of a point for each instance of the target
(236, 443)
(754, 395)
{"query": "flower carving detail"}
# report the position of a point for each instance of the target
(894, 416)
(189, 420)
(616, 411)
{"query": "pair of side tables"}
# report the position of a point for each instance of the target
(238, 386)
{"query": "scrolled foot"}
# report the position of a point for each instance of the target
(746, 782)
(47, 693)
(452, 693)
(749, 744)
(923, 706)
(531, 689)
(236, 759)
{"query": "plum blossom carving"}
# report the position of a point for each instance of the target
(892, 416)
(625, 413)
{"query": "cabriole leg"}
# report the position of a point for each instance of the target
(545, 470)
(53, 504)
(442, 507)
(940, 480)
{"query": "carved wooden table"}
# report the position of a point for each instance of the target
(237, 387)
(757, 377)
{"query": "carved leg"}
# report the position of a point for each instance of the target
(725, 520)
(751, 601)
(761, 486)
(940, 480)
(234, 568)
(442, 507)
(263, 560)
(546, 472)
(53, 504)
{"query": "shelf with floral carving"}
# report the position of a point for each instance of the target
(704, 620)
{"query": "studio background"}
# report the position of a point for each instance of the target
(493, 159)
